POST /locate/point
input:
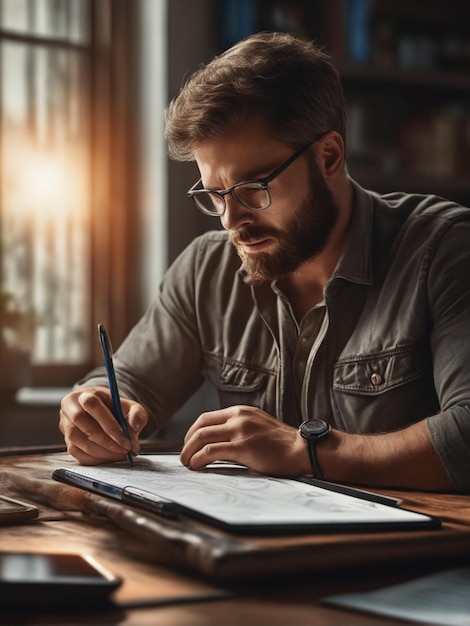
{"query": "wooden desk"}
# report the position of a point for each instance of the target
(153, 592)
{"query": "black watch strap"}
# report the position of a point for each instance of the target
(312, 453)
(313, 431)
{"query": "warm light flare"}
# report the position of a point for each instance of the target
(43, 182)
(48, 183)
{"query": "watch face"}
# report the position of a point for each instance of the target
(315, 428)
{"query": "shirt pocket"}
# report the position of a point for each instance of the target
(239, 382)
(383, 391)
(376, 373)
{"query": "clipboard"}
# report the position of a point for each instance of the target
(233, 498)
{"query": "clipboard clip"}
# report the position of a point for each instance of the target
(150, 502)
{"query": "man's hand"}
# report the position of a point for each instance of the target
(246, 435)
(92, 433)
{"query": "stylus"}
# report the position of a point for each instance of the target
(361, 494)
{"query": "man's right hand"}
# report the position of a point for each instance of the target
(92, 433)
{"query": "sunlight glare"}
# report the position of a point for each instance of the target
(44, 183)
(49, 185)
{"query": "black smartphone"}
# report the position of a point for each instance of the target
(29, 580)
(13, 511)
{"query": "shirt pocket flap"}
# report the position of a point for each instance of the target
(373, 374)
(231, 375)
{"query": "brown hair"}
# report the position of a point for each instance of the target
(287, 80)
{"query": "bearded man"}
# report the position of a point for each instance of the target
(334, 322)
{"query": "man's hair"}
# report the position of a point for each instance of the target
(287, 81)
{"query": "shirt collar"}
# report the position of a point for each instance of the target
(355, 264)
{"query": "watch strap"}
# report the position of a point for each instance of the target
(312, 453)
(314, 431)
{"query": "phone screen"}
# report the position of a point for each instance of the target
(52, 579)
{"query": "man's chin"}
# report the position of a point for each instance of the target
(258, 268)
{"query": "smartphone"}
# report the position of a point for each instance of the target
(13, 511)
(31, 580)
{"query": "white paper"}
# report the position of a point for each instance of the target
(234, 494)
(441, 599)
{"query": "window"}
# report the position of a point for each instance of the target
(67, 181)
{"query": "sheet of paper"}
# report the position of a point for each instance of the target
(439, 599)
(234, 494)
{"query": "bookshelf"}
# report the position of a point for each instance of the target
(405, 69)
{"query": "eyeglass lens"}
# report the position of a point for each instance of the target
(252, 195)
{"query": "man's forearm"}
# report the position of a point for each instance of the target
(403, 459)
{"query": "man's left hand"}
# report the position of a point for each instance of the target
(246, 435)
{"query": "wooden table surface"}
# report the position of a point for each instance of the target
(157, 593)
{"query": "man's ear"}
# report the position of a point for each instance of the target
(329, 151)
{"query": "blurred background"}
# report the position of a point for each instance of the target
(91, 209)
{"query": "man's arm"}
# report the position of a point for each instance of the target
(405, 459)
(158, 366)
(243, 434)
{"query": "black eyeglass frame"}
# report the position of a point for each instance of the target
(262, 182)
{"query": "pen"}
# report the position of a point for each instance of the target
(361, 494)
(108, 363)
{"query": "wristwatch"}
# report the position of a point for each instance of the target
(313, 431)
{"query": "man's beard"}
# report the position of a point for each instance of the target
(304, 238)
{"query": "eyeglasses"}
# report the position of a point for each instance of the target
(252, 194)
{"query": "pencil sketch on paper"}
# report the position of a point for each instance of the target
(234, 494)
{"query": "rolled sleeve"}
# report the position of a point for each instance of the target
(449, 301)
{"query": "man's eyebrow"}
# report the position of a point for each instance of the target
(261, 171)
(256, 173)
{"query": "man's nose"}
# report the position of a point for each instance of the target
(236, 215)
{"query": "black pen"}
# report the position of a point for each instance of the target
(360, 494)
(108, 363)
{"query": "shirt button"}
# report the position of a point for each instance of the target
(375, 379)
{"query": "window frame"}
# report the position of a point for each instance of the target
(114, 290)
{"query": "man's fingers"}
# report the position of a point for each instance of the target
(103, 427)
(137, 416)
(211, 452)
(84, 432)
(87, 457)
(211, 418)
(200, 438)
(91, 431)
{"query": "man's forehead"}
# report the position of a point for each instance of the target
(240, 156)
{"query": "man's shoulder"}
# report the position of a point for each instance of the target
(423, 207)
(410, 221)
(214, 243)
(208, 264)
(211, 251)
(213, 238)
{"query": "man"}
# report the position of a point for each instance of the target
(321, 305)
